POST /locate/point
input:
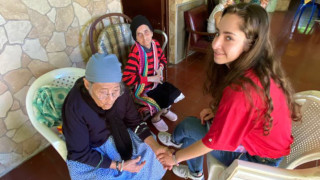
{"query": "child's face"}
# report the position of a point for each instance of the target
(230, 41)
(144, 36)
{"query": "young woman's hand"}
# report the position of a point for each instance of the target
(158, 149)
(132, 165)
(205, 115)
(166, 159)
(164, 150)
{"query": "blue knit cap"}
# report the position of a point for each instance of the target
(103, 68)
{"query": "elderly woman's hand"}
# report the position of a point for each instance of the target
(161, 149)
(158, 78)
(155, 79)
(133, 165)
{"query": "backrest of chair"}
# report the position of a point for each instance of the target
(111, 33)
(103, 21)
(116, 39)
(196, 20)
(306, 133)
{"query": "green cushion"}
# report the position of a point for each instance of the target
(47, 104)
(116, 39)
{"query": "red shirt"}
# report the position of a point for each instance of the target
(237, 122)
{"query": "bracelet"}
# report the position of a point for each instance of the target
(117, 165)
(122, 166)
(137, 128)
(174, 158)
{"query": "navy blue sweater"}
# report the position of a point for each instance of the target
(84, 129)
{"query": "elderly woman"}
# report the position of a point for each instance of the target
(105, 136)
(143, 70)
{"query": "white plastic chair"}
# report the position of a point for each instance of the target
(306, 148)
(64, 77)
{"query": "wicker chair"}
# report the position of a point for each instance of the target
(111, 34)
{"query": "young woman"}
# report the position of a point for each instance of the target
(252, 106)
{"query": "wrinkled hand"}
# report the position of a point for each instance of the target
(159, 72)
(158, 78)
(164, 150)
(133, 166)
(206, 114)
(155, 79)
(161, 149)
(166, 159)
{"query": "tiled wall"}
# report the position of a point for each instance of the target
(37, 36)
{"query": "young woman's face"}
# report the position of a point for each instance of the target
(230, 41)
(144, 36)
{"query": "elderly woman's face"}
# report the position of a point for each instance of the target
(104, 94)
(144, 36)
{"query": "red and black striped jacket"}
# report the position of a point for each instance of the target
(131, 74)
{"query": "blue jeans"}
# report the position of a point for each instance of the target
(191, 130)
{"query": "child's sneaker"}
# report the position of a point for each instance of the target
(165, 138)
(160, 125)
(184, 172)
(171, 116)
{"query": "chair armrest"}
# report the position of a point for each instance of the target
(52, 137)
(248, 170)
(61, 148)
(215, 167)
(301, 97)
(158, 31)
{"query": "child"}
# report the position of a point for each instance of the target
(144, 71)
(215, 15)
(252, 106)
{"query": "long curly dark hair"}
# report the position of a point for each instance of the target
(259, 58)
